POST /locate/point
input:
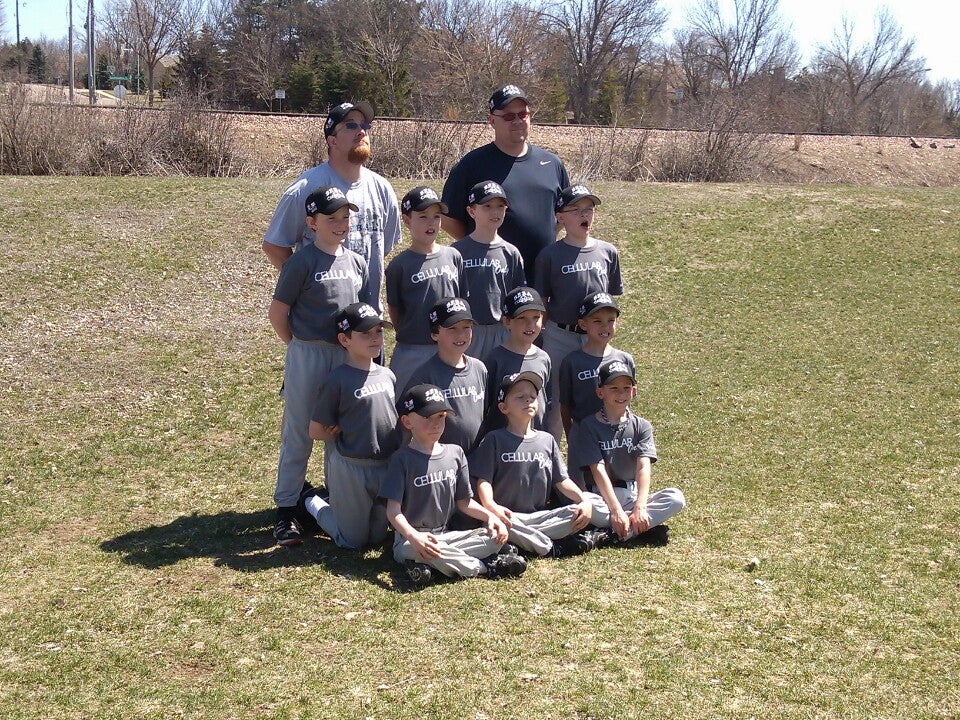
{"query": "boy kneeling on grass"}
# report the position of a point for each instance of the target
(425, 484)
(516, 468)
(614, 450)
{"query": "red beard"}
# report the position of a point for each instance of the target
(360, 154)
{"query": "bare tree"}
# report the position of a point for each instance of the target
(153, 28)
(595, 36)
(754, 40)
(861, 72)
(471, 47)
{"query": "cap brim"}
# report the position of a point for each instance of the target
(455, 318)
(614, 376)
(365, 108)
(601, 306)
(424, 205)
(509, 99)
(531, 377)
(370, 323)
(529, 306)
(433, 408)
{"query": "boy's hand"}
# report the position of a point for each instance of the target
(425, 545)
(582, 515)
(639, 519)
(497, 529)
(504, 514)
(620, 524)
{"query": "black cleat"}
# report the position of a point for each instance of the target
(287, 530)
(503, 566)
(418, 574)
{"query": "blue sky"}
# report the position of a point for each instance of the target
(934, 24)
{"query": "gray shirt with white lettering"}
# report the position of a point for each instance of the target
(427, 486)
(618, 446)
(316, 285)
(566, 274)
(416, 282)
(363, 404)
(578, 380)
(465, 390)
(521, 470)
(492, 270)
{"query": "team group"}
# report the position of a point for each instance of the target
(455, 444)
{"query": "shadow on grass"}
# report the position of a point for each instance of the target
(244, 541)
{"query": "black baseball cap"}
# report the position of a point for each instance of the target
(338, 113)
(361, 317)
(510, 380)
(420, 198)
(505, 95)
(612, 370)
(326, 200)
(425, 400)
(571, 194)
(485, 192)
(592, 303)
(521, 299)
(448, 312)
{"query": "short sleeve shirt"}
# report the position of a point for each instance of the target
(502, 362)
(427, 486)
(416, 282)
(532, 184)
(362, 403)
(374, 230)
(618, 446)
(316, 285)
(465, 390)
(566, 274)
(578, 380)
(491, 270)
(521, 470)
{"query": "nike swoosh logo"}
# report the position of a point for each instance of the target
(546, 162)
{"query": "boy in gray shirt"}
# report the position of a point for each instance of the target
(616, 451)
(575, 266)
(425, 484)
(314, 284)
(492, 266)
(463, 379)
(357, 417)
(516, 468)
(418, 278)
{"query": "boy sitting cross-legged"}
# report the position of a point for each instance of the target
(516, 468)
(425, 484)
(615, 450)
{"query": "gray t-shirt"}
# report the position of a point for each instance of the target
(502, 362)
(465, 390)
(362, 403)
(373, 231)
(618, 446)
(316, 285)
(492, 270)
(522, 471)
(416, 282)
(578, 380)
(566, 274)
(427, 486)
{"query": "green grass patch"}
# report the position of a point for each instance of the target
(798, 351)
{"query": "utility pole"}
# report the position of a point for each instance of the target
(16, 13)
(91, 55)
(70, 57)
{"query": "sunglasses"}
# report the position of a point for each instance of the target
(354, 125)
(511, 116)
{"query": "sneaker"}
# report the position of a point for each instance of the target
(503, 566)
(509, 549)
(654, 537)
(287, 530)
(417, 573)
(303, 517)
(578, 543)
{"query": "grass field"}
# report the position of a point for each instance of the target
(798, 352)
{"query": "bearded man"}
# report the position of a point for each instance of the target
(375, 229)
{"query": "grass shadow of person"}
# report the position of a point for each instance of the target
(242, 541)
